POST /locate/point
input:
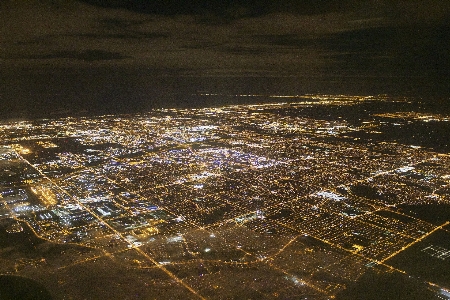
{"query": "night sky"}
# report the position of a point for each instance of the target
(67, 56)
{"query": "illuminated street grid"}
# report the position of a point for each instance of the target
(228, 202)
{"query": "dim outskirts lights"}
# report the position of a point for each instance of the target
(300, 96)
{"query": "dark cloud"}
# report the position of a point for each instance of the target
(287, 40)
(86, 55)
(123, 36)
(245, 50)
(224, 8)
(400, 51)
(400, 10)
(114, 23)
(389, 50)
(39, 40)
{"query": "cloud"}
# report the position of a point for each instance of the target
(119, 36)
(287, 40)
(86, 55)
(218, 11)
(339, 37)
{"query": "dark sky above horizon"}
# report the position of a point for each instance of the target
(55, 52)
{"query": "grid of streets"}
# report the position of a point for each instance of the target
(226, 201)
